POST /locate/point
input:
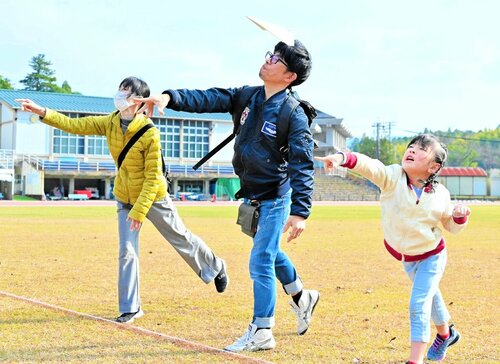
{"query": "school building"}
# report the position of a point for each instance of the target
(41, 161)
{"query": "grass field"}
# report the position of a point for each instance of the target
(67, 256)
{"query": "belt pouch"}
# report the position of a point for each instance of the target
(248, 218)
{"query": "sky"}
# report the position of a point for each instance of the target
(412, 65)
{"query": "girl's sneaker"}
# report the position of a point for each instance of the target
(438, 349)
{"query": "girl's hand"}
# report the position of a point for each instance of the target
(332, 161)
(460, 210)
(30, 106)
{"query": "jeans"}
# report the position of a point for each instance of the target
(167, 221)
(426, 301)
(268, 261)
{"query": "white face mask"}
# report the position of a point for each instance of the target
(120, 100)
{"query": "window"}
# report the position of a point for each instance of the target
(66, 143)
(194, 143)
(169, 136)
(195, 139)
(97, 145)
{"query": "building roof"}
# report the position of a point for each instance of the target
(463, 172)
(104, 105)
(323, 119)
(90, 104)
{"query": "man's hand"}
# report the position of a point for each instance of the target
(30, 106)
(298, 225)
(160, 101)
(134, 224)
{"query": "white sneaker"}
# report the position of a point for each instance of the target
(253, 340)
(304, 310)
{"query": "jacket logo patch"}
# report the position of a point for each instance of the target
(244, 115)
(269, 129)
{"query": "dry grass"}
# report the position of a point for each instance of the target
(67, 256)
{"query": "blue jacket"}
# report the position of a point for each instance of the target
(263, 171)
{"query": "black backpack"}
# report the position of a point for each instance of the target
(282, 126)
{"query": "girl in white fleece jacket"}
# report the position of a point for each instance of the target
(413, 204)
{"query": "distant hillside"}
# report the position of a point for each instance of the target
(465, 148)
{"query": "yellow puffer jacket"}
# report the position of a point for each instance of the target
(140, 180)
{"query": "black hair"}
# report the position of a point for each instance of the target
(440, 154)
(297, 58)
(137, 86)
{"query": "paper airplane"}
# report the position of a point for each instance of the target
(281, 33)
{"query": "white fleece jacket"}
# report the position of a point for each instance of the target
(410, 224)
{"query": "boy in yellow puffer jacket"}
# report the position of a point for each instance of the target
(141, 192)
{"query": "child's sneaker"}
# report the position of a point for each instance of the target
(253, 340)
(304, 309)
(437, 351)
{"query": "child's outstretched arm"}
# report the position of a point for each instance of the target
(374, 170)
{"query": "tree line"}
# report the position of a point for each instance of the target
(465, 148)
(42, 78)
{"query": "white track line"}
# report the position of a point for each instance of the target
(191, 345)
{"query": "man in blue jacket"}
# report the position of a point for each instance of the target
(281, 183)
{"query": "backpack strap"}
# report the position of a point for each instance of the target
(131, 142)
(283, 124)
(214, 151)
(241, 101)
(285, 115)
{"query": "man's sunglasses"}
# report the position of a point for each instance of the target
(273, 58)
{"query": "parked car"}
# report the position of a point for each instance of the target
(94, 192)
(84, 192)
(190, 196)
(196, 197)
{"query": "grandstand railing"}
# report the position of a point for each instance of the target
(77, 166)
(185, 169)
(73, 165)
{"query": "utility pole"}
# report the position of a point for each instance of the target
(382, 130)
(377, 139)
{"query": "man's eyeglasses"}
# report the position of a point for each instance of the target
(273, 58)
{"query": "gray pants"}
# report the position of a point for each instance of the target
(167, 221)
